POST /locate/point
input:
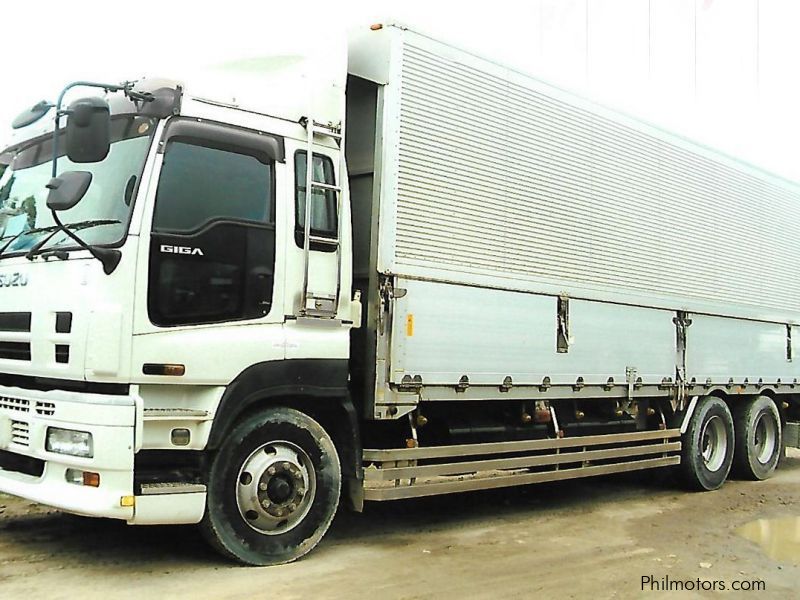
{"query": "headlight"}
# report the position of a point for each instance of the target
(69, 441)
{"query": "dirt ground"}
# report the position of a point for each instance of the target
(595, 538)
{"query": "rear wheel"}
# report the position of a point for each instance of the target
(707, 445)
(757, 424)
(273, 488)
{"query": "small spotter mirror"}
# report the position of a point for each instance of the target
(88, 130)
(67, 189)
(30, 116)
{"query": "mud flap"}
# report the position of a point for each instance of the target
(791, 435)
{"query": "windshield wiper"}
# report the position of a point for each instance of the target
(26, 231)
(80, 225)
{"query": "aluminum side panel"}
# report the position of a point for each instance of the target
(443, 332)
(720, 349)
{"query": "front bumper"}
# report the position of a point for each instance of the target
(25, 416)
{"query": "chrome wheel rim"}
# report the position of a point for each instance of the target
(275, 487)
(765, 438)
(714, 443)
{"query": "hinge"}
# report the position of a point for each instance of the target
(319, 306)
(631, 376)
(682, 323)
(386, 292)
(410, 384)
(562, 324)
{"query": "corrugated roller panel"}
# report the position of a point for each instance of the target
(501, 180)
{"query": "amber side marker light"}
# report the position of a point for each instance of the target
(163, 369)
(376, 26)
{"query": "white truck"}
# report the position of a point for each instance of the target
(550, 290)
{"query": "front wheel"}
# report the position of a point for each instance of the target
(707, 445)
(758, 438)
(273, 488)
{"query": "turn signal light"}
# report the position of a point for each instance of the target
(79, 477)
(163, 369)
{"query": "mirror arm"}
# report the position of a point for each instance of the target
(109, 257)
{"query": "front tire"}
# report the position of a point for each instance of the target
(759, 439)
(273, 488)
(707, 445)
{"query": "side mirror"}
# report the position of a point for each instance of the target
(67, 189)
(33, 114)
(88, 130)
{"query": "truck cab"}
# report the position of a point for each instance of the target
(224, 287)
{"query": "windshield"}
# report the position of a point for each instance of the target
(103, 213)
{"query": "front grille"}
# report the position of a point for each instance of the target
(20, 433)
(64, 322)
(15, 350)
(21, 405)
(62, 353)
(15, 321)
(15, 404)
(46, 409)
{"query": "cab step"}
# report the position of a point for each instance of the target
(175, 414)
(157, 489)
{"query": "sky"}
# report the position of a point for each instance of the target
(722, 72)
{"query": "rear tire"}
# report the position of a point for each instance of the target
(759, 439)
(273, 488)
(708, 445)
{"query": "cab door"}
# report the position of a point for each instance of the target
(210, 260)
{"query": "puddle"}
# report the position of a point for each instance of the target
(779, 538)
